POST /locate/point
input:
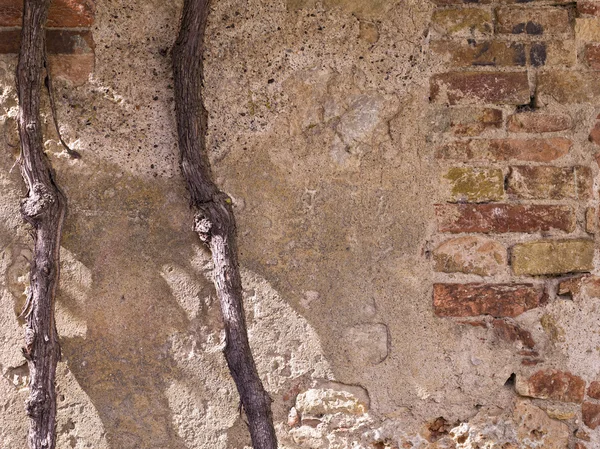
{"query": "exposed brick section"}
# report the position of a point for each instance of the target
(63, 13)
(551, 384)
(488, 53)
(464, 22)
(470, 255)
(530, 150)
(533, 21)
(538, 123)
(497, 300)
(480, 87)
(568, 87)
(594, 390)
(475, 184)
(71, 51)
(556, 183)
(58, 41)
(501, 218)
(591, 414)
(512, 332)
(592, 56)
(553, 257)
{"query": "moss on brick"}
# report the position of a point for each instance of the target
(475, 185)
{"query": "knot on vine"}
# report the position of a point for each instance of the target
(36, 403)
(202, 225)
(38, 201)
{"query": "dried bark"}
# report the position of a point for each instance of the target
(44, 209)
(214, 220)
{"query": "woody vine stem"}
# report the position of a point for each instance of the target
(214, 221)
(44, 209)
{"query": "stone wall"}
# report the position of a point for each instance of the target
(417, 203)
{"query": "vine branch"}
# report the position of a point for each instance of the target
(214, 221)
(44, 209)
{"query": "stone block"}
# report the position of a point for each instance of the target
(553, 257)
(475, 184)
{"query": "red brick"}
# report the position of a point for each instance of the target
(512, 332)
(502, 218)
(488, 53)
(530, 150)
(498, 300)
(591, 8)
(73, 68)
(538, 123)
(480, 87)
(533, 21)
(594, 390)
(63, 13)
(58, 41)
(591, 414)
(595, 134)
(553, 183)
(592, 56)
(552, 384)
(568, 87)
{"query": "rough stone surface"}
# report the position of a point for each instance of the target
(552, 384)
(470, 255)
(553, 257)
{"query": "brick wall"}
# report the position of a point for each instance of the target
(69, 38)
(516, 135)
